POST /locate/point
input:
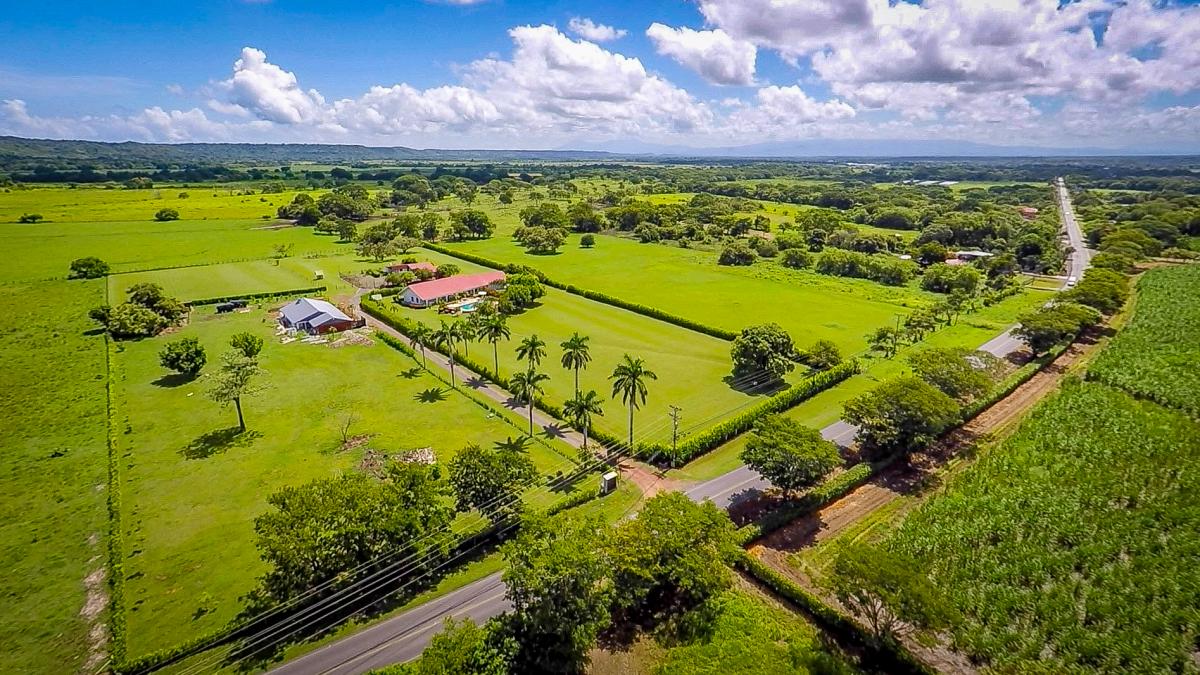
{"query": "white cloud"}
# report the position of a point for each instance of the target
(777, 112)
(713, 54)
(270, 92)
(596, 32)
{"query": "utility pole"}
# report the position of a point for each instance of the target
(675, 410)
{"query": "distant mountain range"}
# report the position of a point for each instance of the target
(25, 154)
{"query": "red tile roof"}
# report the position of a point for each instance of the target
(462, 283)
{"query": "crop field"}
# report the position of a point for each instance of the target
(1155, 356)
(53, 474)
(750, 635)
(1072, 546)
(192, 487)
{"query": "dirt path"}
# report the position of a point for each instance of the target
(905, 478)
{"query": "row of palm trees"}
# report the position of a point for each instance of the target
(628, 379)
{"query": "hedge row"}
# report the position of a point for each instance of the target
(310, 255)
(645, 310)
(1015, 379)
(828, 491)
(116, 548)
(256, 296)
(890, 657)
(571, 501)
(732, 428)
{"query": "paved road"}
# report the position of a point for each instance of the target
(1081, 257)
(403, 637)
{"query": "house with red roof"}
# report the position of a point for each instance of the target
(413, 267)
(437, 291)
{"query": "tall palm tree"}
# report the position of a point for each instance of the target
(629, 380)
(494, 328)
(528, 385)
(580, 410)
(418, 337)
(531, 350)
(448, 335)
(575, 355)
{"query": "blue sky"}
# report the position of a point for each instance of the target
(515, 73)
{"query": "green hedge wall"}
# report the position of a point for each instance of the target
(257, 296)
(645, 310)
(830, 490)
(116, 548)
(725, 431)
(890, 658)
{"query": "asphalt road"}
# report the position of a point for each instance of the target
(403, 637)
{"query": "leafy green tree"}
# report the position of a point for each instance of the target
(960, 373)
(405, 244)
(901, 415)
(431, 224)
(575, 355)
(1103, 289)
(629, 382)
(1049, 326)
(447, 270)
(737, 253)
(129, 320)
(789, 454)
(764, 351)
(377, 251)
(587, 240)
(944, 278)
(823, 355)
(528, 385)
(471, 223)
(88, 268)
(234, 381)
(556, 581)
(184, 356)
(315, 532)
(463, 648)
(672, 557)
(490, 480)
(163, 215)
(449, 335)
(249, 344)
(580, 411)
(884, 339)
(888, 591)
(931, 253)
(796, 258)
(531, 350)
(547, 214)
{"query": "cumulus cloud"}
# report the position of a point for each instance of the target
(713, 54)
(777, 111)
(270, 92)
(596, 32)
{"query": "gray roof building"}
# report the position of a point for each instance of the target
(311, 314)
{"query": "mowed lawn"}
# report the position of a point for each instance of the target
(95, 203)
(211, 281)
(192, 489)
(691, 367)
(53, 474)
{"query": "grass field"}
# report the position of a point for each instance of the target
(53, 473)
(750, 635)
(96, 204)
(825, 408)
(192, 489)
(211, 281)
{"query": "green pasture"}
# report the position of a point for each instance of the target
(689, 283)
(211, 281)
(970, 331)
(192, 487)
(53, 473)
(45, 250)
(97, 204)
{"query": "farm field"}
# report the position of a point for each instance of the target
(1155, 356)
(750, 635)
(53, 475)
(1056, 544)
(191, 490)
(971, 331)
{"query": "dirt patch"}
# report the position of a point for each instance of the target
(352, 338)
(96, 599)
(648, 479)
(354, 442)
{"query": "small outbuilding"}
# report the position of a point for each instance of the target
(412, 267)
(315, 317)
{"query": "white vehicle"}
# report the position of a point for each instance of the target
(1071, 282)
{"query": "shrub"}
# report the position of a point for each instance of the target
(789, 454)
(824, 354)
(88, 268)
(29, 218)
(587, 240)
(184, 356)
(737, 253)
(765, 247)
(166, 214)
(796, 258)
